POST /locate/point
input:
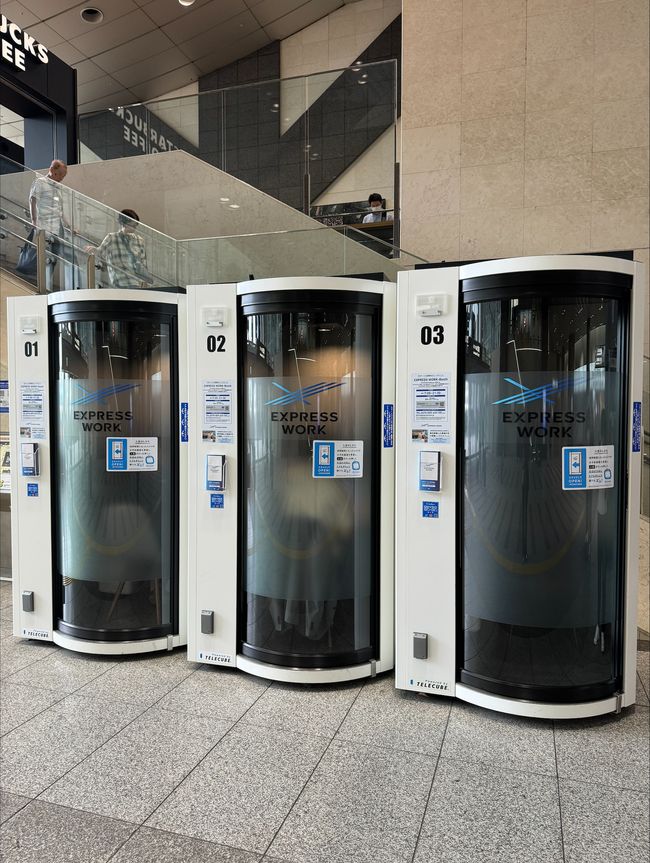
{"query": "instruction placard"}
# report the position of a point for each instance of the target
(430, 411)
(218, 412)
(32, 410)
(131, 453)
(587, 467)
(338, 458)
(4, 397)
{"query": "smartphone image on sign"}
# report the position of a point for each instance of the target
(323, 455)
(116, 447)
(575, 463)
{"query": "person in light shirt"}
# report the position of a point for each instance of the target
(46, 211)
(377, 212)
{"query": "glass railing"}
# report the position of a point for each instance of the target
(79, 257)
(297, 139)
(315, 252)
(72, 256)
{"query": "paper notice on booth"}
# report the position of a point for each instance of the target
(430, 408)
(218, 412)
(334, 459)
(131, 453)
(587, 467)
(32, 411)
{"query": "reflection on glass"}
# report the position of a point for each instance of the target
(541, 565)
(308, 571)
(114, 534)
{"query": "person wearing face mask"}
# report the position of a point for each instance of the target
(124, 253)
(377, 212)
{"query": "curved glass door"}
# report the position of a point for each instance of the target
(543, 473)
(115, 469)
(308, 580)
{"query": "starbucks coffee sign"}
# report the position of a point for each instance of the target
(18, 45)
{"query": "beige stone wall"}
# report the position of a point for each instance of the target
(525, 127)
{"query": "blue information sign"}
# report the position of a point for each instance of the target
(323, 458)
(388, 426)
(636, 427)
(32, 489)
(430, 509)
(216, 501)
(184, 422)
(574, 468)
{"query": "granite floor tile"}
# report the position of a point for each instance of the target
(158, 846)
(39, 752)
(5, 594)
(609, 750)
(18, 653)
(20, 703)
(507, 742)
(139, 681)
(480, 813)
(216, 693)
(6, 622)
(134, 772)
(10, 804)
(42, 833)
(62, 671)
(385, 716)
(308, 709)
(603, 823)
(641, 695)
(242, 791)
(362, 803)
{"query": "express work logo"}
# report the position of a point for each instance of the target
(528, 395)
(102, 395)
(301, 395)
(101, 420)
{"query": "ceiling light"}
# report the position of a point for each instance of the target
(234, 206)
(92, 15)
(224, 200)
(186, 2)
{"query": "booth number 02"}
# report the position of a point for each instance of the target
(432, 335)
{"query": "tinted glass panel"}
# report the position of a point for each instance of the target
(541, 566)
(308, 569)
(114, 539)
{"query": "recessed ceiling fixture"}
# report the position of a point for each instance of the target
(186, 2)
(92, 15)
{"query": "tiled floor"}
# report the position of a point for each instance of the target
(160, 760)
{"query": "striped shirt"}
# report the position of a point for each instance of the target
(126, 256)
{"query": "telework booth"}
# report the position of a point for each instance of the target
(518, 478)
(291, 477)
(98, 471)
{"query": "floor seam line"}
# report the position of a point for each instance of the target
(559, 795)
(433, 779)
(306, 782)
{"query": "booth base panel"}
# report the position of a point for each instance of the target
(311, 675)
(118, 648)
(539, 710)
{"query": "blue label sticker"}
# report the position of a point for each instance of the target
(32, 489)
(574, 468)
(184, 422)
(216, 501)
(323, 458)
(388, 426)
(430, 509)
(636, 427)
(4, 397)
(116, 453)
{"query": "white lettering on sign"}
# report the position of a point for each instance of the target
(137, 132)
(19, 44)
